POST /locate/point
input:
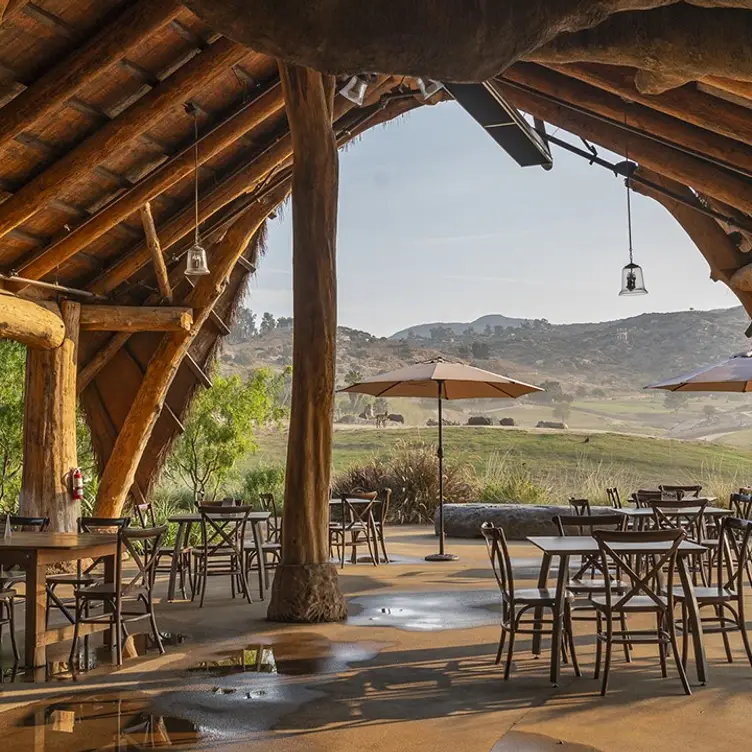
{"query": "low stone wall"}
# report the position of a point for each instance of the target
(517, 520)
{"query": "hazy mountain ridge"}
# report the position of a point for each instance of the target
(459, 327)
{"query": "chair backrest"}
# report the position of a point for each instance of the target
(685, 514)
(223, 528)
(642, 498)
(580, 506)
(741, 505)
(501, 562)
(381, 506)
(142, 545)
(734, 553)
(354, 512)
(657, 551)
(273, 524)
(145, 514)
(680, 492)
(29, 524)
(613, 497)
(106, 525)
(585, 525)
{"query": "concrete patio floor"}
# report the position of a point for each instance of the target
(411, 669)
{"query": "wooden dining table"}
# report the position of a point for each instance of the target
(33, 552)
(185, 523)
(565, 547)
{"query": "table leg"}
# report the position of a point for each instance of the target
(110, 578)
(542, 582)
(695, 622)
(558, 626)
(258, 540)
(179, 544)
(36, 602)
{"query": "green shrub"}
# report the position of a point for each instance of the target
(507, 480)
(264, 479)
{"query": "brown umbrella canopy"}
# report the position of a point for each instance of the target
(454, 380)
(731, 375)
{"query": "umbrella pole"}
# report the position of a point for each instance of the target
(442, 555)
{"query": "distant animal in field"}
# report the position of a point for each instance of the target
(507, 422)
(396, 418)
(479, 420)
(551, 424)
(381, 419)
(587, 440)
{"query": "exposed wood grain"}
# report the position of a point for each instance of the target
(30, 324)
(111, 318)
(117, 133)
(304, 587)
(266, 105)
(72, 73)
(155, 248)
(101, 359)
(49, 436)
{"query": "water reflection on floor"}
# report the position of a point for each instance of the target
(426, 611)
(517, 741)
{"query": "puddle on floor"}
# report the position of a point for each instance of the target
(426, 611)
(112, 721)
(298, 654)
(518, 741)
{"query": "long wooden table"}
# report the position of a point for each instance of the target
(33, 552)
(583, 545)
(186, 521)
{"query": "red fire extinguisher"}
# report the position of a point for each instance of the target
(77, 484)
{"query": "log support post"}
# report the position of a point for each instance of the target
(306, 588)
(49, 437)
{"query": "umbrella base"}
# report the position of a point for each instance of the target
(442, 557)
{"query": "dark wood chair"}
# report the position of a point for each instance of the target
(380, 515)
(680, 492)
(726, 598)
(642, 498)
(741, 505)
(688, 515)
(83, 577)
(8, 617)
(122, 600)
(145, 516)
(642, 596)
(271, 545)
(614, 498)
(351, 519)
(222, 550)
(580, 507)
(18, 523)
(517, 603)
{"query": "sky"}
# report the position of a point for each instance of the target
(437, 223)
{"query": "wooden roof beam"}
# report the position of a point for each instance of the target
(137, 22)
(687, 170)
(31, 324)
(155, 248)
(116, 134)
(113, 318)
(685, 103)
(89, 372)
(10, 8)
(266, 105)
(725, 151)
(198, 372)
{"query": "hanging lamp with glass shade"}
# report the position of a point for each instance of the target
(355, 90)
(632, 278)
(196, 264)
(428, 87)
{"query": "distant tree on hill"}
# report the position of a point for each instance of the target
(580, 392)
(598, 393)
(675, 401)
(244, 327)
(480, 351)
(487, 331)
(284, 323)
(440, 333)
(562, 411)
(267, 323)
(353, 376)
(463, 351)
(498, 330)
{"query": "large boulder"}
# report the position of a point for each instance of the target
(517, 520)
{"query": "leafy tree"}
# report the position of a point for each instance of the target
(267, 323)
(598, 393)
(244, 327)
(487, 331)
(675, 401)
(353, 376)
(380, 406)
(12, 370)
(480, 350)
(219, 430)
(463, 351)
(562, 411)
(284, 323)
(580, 392)
(552, 392)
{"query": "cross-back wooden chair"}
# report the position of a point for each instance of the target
(222, 551)
(580, 507)
(89, 575)
(680, 492)
(642, 595)
(741, 505)
(146, 518)
(271, 543)
(380, 515)
(18, 523)
(123, 597)
(517, 603)
(643, 497)
(8, 618)
(614, 498)
(726, 598)
(353, 517)
(689, 516)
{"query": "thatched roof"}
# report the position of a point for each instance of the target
(93, 125)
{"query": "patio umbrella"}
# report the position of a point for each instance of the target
(731, 375)
(442, 380)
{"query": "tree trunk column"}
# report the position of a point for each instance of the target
(49, 442)
(306, 588)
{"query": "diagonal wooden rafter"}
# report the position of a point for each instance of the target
(155, 248)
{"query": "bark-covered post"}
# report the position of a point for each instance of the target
(306, 588)
(49, 441)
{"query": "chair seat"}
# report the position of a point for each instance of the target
(710, 542)
(72, 579)
(596, 586)
(7, 582)
(170, 551)
(636, 603)
(7, 595)
(105, 590)
(707, 594)
(539, 596)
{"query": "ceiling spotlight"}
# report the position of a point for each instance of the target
(355, 90)
(428, 87)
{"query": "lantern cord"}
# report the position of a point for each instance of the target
(195, 173)
(629, 192)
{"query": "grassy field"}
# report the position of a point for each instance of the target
(564, 463)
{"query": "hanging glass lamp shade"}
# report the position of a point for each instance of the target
(632, 280)
(196, 265)
(428, 87)
(355, 90)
